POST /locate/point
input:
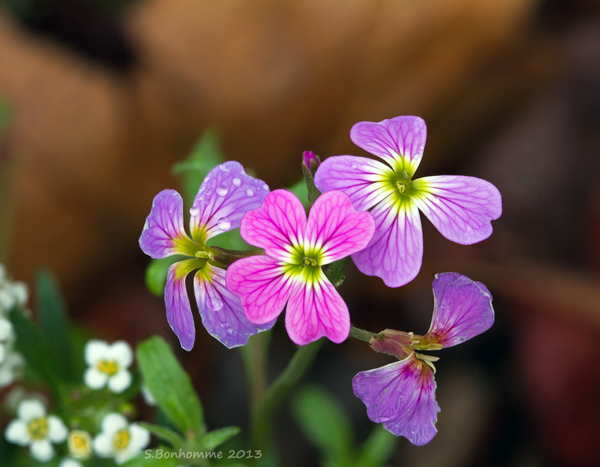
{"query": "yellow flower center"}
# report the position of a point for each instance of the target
(121, 439)
(110, 367)
(310, 261)
(38, 428)
(80, 443)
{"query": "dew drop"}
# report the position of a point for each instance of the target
(224, 168)
(223, 223)
(265, 186)
(222, 190)
(249, 192)
(214, 303)
(194, 211)
(230, 331)
(353, 166)
(236, 182)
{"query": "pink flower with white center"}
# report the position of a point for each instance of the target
(296, 250)
(461, 208)
(226, 194)
(401, 395)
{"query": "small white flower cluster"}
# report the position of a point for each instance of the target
(11, 294)
(108, 365)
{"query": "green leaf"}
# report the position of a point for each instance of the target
(335, 272)
(52, 314)
(40, 356)
(165, 434)
(231, 240)
(301, 191)
(203, 158)
(170, 385)
(217, 437)
(309, 180)
(377, 449)
(156, 274)
(325, 423)
(155, 458)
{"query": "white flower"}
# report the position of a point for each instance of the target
(80, 444)
(108, 365)
(10, 367)
(120, 440)
(66, 462)
(11, 293)
(148, 397)
(36, 429)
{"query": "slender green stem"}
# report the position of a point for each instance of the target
(255, 362)
(262, 420)
(361, 334)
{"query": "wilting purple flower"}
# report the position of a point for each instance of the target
(461, 208)
(291, 270)
(401, 395)
(225, 195)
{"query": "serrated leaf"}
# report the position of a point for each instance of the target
(325, 423)
(52, 314)
(217, 437)
(205, 155)
(377, 449)
(40, 356)
(164, 433)
(170, 385)
(156, 274)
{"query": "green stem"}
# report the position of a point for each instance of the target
(361, 334)
(262, 420)
(255, 362)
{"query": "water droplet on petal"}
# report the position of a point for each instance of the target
(194, 211)
(353, 166)
(236, 182)
(222, 190)
(214, 303)
(230, 331)
(265, 186)
(224, 168)
(223, 223)
(249, 192)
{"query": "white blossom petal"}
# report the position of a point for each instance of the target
(57, 431)
(42, 450)
(16, 433)
(30, 409)
(113, 422)
(119, 382)
(94, 378)
(95, 350)
(140, 437)
(103, 445)
(6, 329)
(120, 352)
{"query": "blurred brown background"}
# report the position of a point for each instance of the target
(106, 96)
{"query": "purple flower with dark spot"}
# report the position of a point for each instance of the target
(461, 208)
(226, 194)
(290, 272)
(401, 395)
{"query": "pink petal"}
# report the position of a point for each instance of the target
(463, 309)
(399, 141)
(360, 178)
(163, 233)
(337, 228)
(316, 309)
(226, 194)
(401, 395)
(179, 312)
(461, 208)
(221, 311)
(276, 226)
(262, 285)
(395, 252)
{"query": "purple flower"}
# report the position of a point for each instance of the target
(310, 160)
(225, 195)
(461, 208)
(291, 273)
(401, 395)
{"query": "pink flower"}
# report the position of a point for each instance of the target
(226, 194)
(401, 395)
(461, 208)
(290, 272)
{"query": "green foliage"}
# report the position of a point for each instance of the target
(335, 272)
(52, 313)
(156, 274)
(170, 385)
(36, 350)
(301, 191)
(217, 437)
(205, 155)
(324, 422)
